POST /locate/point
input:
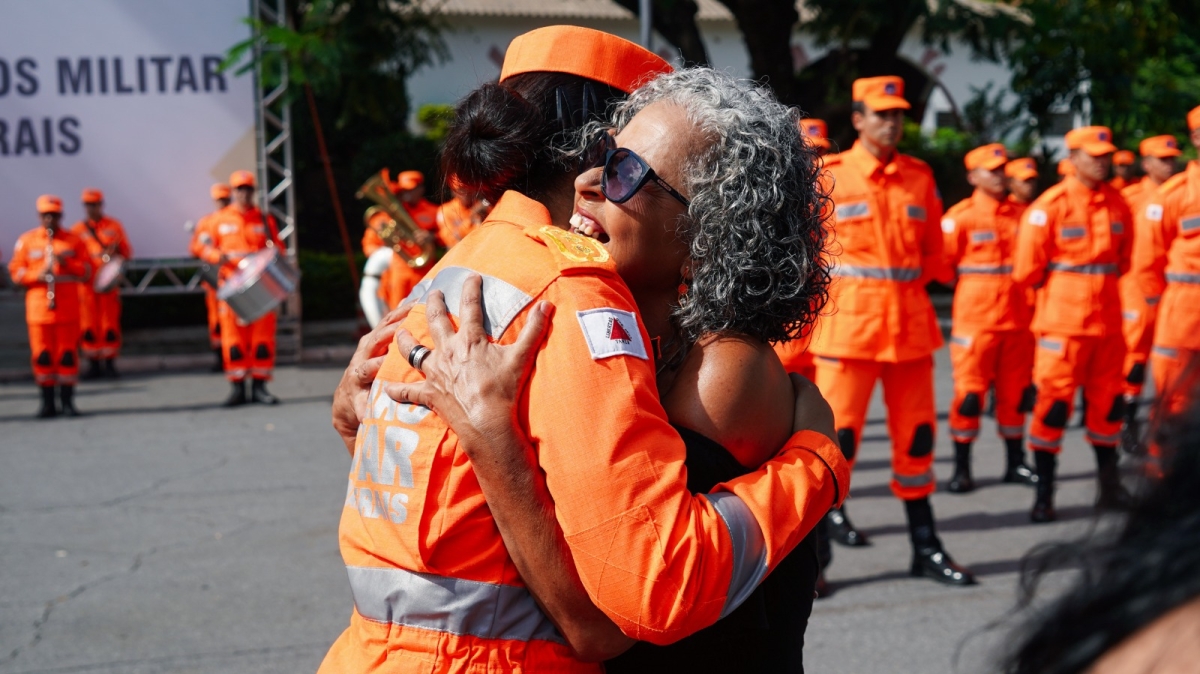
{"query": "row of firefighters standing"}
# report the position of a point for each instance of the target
(1053, 295)
(64, 313)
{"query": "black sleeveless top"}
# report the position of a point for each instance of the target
(765, 633)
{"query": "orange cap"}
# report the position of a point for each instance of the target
(1065, 167)
(816, 131)
(588, 53)
(1123, 158)
(48, 203)
(219, 191)
(241, 179)
(880, 93)
(1160, 146)
(990, 157)
(1193, 119)
(1024, 168)
(91, 195)
(408, 180)
(1094, 140)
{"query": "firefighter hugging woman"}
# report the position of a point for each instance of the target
(698, 240)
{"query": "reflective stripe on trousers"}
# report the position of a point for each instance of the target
(997, 270)
(1042, 443)
(923, 480)
(1011, 431)
(452, 605)
(1181, 277)
(880, 273)
(1165, 351)
(1097, 269)
(749, 548)
(1103, 439)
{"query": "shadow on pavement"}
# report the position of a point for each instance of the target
(979, 521)
(165, 409)
(885, 491)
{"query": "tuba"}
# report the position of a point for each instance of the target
(399, 231)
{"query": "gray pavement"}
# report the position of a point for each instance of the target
(163, 534)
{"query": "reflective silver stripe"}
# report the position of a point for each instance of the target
(854, 210)
(1010, 431)
(970, 434)
(1035, 441)
(999, 269)
(1152, 301)
(1073, 232)
(1097, 269)
(1130, 315)
(881, 273)
(502, 301)
(1190, 222)
(983, 237)
(959, 340)
(1050, 344)
(923, 480)
(749, 547)
(1103, 439)
(1118, 228)
(451, 605)
(1167, 351)
(915, 212)
(1180, 277)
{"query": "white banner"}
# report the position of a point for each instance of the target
(124, 96)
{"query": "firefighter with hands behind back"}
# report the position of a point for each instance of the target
(51, 263)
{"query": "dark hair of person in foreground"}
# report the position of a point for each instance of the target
(1131, 576)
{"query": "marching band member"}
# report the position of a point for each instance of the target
(51, 263)
(881, 325)
(204, 235)
(461, 215)
(239, 230)
(990, 343)
(100, 312)
(1072, 245)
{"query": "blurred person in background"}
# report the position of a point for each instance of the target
(100, 312)
(51, 263)
(205, 235)
(1021, 180)
(460, 215)
(1124, 170)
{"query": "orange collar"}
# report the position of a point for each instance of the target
(519, 209)
(869, 162)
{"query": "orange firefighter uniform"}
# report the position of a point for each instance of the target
(248, 349)
(881, 324)
(990, 342)
(100, 313)
(434, 588)
(205, 231)
(1138, 313)
(816, 131)
(455, 220)
(398, 280)
(1122, 158)
(1073, 244)
(1167, 266)
(52, 307)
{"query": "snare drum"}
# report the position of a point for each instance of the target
(263, 281)
(109, 274)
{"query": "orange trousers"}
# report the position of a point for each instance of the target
(1167, 366)
(1138, 327)
(99, 322)
(53, 351)
(1003, 359)
(248, 349)
(847, 383)
(214, 317)
(1063, 364)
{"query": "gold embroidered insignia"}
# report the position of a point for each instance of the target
(573, 246)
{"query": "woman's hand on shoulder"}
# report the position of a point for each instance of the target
(350, 397)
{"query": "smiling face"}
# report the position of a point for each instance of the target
(640, 233)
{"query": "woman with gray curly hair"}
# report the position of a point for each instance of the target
(708, 200)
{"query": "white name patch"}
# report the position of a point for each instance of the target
(948, 225)
(1154, 212)
(1037, 217)
(612, 332)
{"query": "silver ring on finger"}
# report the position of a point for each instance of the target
(417, 356)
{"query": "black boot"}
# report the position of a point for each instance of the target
(1131, 429)
(66, 394)
(1043, 506)
(843, 531)
(1016, 470)
(93, 371)
(49, 408)
(961, 483)
(259, 393)
(1111, 494)
(930, 559)
(110, 368)
(237, 394)
(219, 363)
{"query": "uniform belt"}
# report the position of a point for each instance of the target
(60, 278)
(1182, 277)
(881, 273)
(1096, 269)
(452, 605)
(997, 269)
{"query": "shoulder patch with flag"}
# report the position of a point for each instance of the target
(611, 332)
(1037, 217)
(1154, 212)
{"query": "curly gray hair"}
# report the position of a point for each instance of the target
(755, 227)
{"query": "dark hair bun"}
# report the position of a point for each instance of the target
(493, 143)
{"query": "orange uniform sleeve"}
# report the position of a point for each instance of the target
(371, 241)
(934, 266)
(79, 265)
(123, 248)
(952, 236)
(1125, 249)
(1155, 232)
(204, 245)
(19, 267)
(1035, 243)
(658, 560)
(273, 232)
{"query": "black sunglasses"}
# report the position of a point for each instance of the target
(624, 171)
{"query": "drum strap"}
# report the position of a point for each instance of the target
(96, 236)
